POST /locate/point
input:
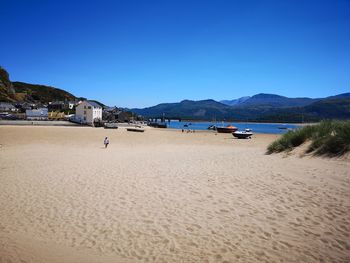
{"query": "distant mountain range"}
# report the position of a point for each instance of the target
(270, 100)
(235, 101)
(260, 107)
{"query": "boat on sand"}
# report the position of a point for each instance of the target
(136, 129)
(157, 124)
(242, 134)
(110, 125)
(227, 129)
(212, 127)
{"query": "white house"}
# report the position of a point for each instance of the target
(87, 112)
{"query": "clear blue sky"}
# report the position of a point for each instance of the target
(141, 53)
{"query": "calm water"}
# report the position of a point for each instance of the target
(256, 127)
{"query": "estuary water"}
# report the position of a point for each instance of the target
(272, 128)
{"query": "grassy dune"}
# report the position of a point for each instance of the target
(329, 138)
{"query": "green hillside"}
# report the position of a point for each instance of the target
(7, 92)
(24, 92)
(275, 101)
(330, 108)
(32, 92)
(187, 109)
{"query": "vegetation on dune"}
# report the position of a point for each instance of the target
(329, 138)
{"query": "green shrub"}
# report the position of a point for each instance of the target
(291, 139)
(336, 142)
(331, 138)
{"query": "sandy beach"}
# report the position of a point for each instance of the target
(166, 196)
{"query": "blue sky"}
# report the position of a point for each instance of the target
(141, 53)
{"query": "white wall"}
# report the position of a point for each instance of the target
(85, 115)
(97, 113)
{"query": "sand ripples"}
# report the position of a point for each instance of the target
(175, 202)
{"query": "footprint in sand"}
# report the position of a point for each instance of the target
(189, 229)
(286, 244)
(267, 234)
(275, 231)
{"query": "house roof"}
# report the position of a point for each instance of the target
(6, 104)
(111, 108)
(37, 112)
(93, 104)
(56, 103)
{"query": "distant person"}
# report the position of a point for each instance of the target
(106, 142)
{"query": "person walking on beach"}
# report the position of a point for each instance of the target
(106, 142)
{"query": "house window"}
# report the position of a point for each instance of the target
(89, 107)
(84, 118)
(84, 107)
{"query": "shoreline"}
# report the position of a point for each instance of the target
(249, 122)
(38, 122)
(120, 125)
(124, 126)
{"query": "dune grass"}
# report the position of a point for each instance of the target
(328, 138)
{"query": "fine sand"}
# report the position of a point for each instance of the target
(165, 196)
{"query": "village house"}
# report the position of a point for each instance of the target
(87, 112)
(7, 107)
(56, 106)
(113, 114)
(37, 114)
(61, 105)
(70, 104)
(23, 106)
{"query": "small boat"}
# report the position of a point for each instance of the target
(135, 129)
(157, 124)
(162, 125)
(227, 129)
(110, 125)
(242, 134)
(212, 127)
